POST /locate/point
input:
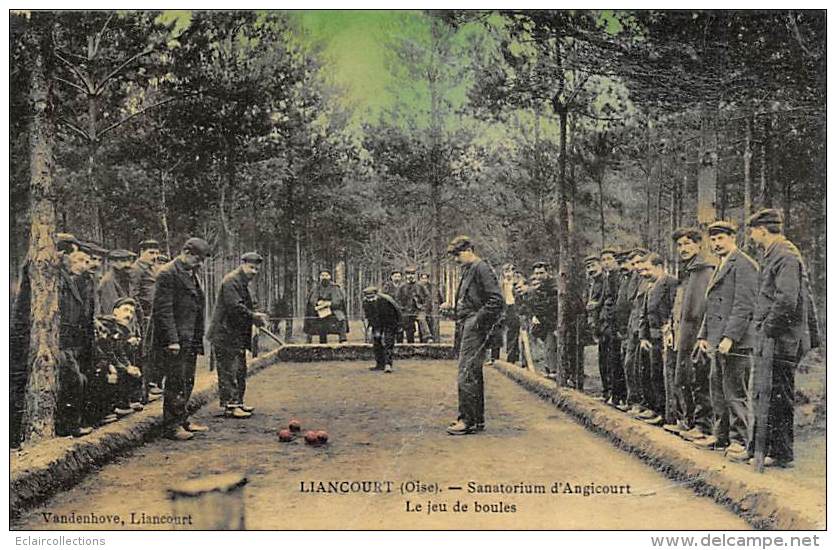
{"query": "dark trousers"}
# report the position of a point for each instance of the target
(632, 361)
(128, 390)
(100, 399)
(179, 383)
(495, 341)
(232, 375)
(652, 372)
(729, 383)
(410, 321)
(383, 344)
(610, 367)
(471, 381)
(780, 435)
(692, 397)
(70, 399)
(512, 333)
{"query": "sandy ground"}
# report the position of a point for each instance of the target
(391, 428)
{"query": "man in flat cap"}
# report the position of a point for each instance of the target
(116, 282)
(143, 276)
(325, 311)
(479, 307)
(542, 304)
(415, 302)
(727, 337)
(692, 400)
(75, 310)
(594, 303)
(786, 325)
(231, 334)
(383, 316)
(177, 317)
(628, 309)
(655, 340)
(390, 288)
(609, 345)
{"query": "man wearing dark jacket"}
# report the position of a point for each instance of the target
(654, 325)
(609, 345)
(630, 300)
(479, 307)
(116, 283)
(727, 337)
(692, 401)
(414, 300)
(231, 334)
(75, 340)
(383, 316)
(325, 311)
(177, 334)
(785, 319)
(543, 303)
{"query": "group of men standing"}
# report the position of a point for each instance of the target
(413, 294)
(710, 355)
(131, 332)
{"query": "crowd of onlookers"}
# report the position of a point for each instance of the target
(708, 354)
(104, 298)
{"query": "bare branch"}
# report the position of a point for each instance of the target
(74, 128)
(136, 114)
(72, 84)
(75, 71)
(118, 69)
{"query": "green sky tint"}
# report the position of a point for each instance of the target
(354, 44)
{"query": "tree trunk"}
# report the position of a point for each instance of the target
(707, 170)
(40, 404)
(564, 298)
(765, 199)
(747, 170)
(602, 219)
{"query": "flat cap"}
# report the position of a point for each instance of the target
(459, 243)
(609, 250)
(395, 271)
(252, 258)
(692, 233)
(121, 254)
(94, 249)
(541, 263)
(124, 300)
(148, 243)
(591, 259)
(767, 216)
(411, 269)
(722, 226)
(370, 291)
(197, 246)
(638, 251)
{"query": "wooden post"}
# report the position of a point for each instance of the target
(214, 503)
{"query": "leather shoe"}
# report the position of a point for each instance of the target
(655, 421)
(234, 412)
(123, 412)
(693, 434)
(108, 419)
(82, 431)
(180, 434)
(646, 415)
(460, 428)
(195, 427)
(710, 443)
(387, 369)
(246, 408)
(375, 368)
(137, 406)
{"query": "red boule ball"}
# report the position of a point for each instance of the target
(311, 438)
(294, 425)
(322, 436)
(285, 435)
